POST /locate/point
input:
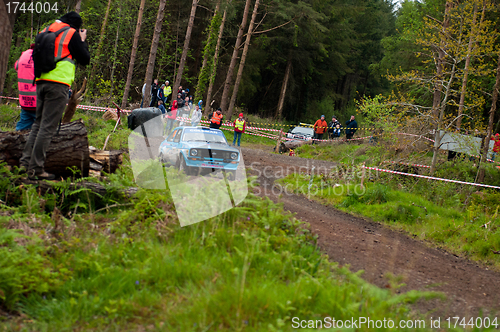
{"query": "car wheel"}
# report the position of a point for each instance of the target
(196, 171)
(181, 165)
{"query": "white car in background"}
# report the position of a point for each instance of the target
(303, 132)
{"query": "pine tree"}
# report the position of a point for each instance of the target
(154, 47)
(133, 55)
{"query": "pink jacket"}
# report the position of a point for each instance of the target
(25, 74)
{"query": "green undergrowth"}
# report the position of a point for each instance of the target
(460, 197)
(472, 231)
(67, 266)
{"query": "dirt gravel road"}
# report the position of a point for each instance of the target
(370, 246)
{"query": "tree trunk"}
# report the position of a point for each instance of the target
(154, 48)
(489, 132)
(95, 58)
(78, 6)
(68, 148)
(281, 102)
(133, 55)
(242, 61)
(6, 29)
(114, 55)
(466, 68)
(178, 77)
(214, 66)
(202, 77)
(438, 137)
(176, 46)
(436, 102)
(230, 71)
(73, 102)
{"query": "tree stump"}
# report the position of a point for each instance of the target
(68, 149)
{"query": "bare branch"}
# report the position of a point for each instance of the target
(276, 27)
(434, 19)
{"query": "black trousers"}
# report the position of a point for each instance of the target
(51, 102)
(317, 136)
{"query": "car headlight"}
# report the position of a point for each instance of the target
(194, 152)
(234, 155)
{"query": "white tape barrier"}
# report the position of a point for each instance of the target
(431, 177)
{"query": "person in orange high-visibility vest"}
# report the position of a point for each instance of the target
(27, 89)
(320, 127)
(52, 89)
(239, 128)
(216, 119)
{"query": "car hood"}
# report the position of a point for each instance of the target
(203, 145)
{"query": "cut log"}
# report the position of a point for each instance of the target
(109, 160)
(291, 145)
(68, 149)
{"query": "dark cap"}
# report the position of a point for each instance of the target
(73, 19)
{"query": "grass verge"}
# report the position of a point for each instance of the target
(254, 268)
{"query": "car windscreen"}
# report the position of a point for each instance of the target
(203, 135)
(303, 131)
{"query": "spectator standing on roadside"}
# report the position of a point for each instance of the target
(180, 100)
(320, 127)
(239, 128)
(167, 91)
(27, 90)
(184, 111)
(496, 147)
(171, 116)
(154, 94)
(332, 127)
(160, 94)
(336, 131)
(52, 92)
(351, 127)
(143, 93)
(161, 107)
(196, 118)
(216, 119)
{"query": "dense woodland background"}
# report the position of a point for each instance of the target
(334, 55)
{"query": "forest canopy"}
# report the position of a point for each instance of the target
(304, 58)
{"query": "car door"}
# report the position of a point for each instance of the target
(169, 148)
(176, 146)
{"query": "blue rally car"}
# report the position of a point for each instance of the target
(196, 150)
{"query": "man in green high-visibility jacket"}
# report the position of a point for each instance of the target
(52, 92)
(167, 91)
